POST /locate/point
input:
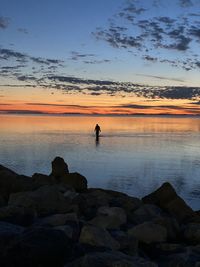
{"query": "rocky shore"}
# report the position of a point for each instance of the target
(58, 221)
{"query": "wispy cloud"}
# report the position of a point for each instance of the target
(185, 3)
(161, 77)
(4, 22)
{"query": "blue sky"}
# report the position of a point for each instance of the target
(147, 43)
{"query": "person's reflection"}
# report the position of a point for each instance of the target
(97, 142)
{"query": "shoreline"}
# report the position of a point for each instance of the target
(61, 222)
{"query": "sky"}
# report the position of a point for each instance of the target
(100, 57)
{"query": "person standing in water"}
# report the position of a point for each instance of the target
(97, 129)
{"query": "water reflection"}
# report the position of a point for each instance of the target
(136, 156)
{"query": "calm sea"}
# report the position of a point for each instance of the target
(134, 155)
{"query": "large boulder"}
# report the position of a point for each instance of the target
(192, 233)
(172, 227)
(167, 199)
(109, 217)
(41, 247)
(61, 175)
(75, 180)
(17, 215)
(9, 233)
(11, 182)
(40, 179)
(187, 257)
(110, 259)
(97, 237)
(128, 244)
(144, 213)
(58, 219)
(89, 201)
(148, 233)
(59, 168)
(45, 201)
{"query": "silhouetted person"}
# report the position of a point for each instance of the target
(97, 129)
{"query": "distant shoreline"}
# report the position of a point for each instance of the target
(101, 115)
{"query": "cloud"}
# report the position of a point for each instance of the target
(87, 58)
(77, 56)
(4, 22)
(22, 30)
(9, 54)
(59, 105)
(149, 58)
(185, 3)
(161, 77)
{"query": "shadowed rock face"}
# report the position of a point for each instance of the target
(59, 168)
(167, 199)
(61, 174)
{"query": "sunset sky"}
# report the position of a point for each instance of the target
(100, 56)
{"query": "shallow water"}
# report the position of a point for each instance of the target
(134, 155)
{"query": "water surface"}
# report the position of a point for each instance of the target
(134, 155)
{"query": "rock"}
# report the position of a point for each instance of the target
(169, 248)
(172, 227)
(192, 233)
(8, 235)
(59, 168)
(45, 201)
(41, 247)
(167, 199)
(109, 217)
(75, 180)
(149, 232)
(110, 259)
(128, 244)
(17, 215)
(70, 194)
(42, 179)
(11, 182)
(144, 213)
(118, 199)
(89, 202)
(67, 229)
(189, 257)
(58, 219)
(3, 201)
(97, 237)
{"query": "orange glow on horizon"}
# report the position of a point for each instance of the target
(56, 102)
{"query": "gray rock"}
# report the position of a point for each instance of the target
(192, 233)
(59, 168)
(58, 219)
(45, 201)
(190, 257)
(109, 217)
(149, 232)
(9, 233)
(128, 244)
(41, 247)
(40, 179)
(97, 237)
(166, 198)
(110, 259)
(144, 213)
(171, 225)
(17, 215)
(67, 229)
(75, 180)
(11, 182)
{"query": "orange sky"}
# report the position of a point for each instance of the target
(35, 100)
